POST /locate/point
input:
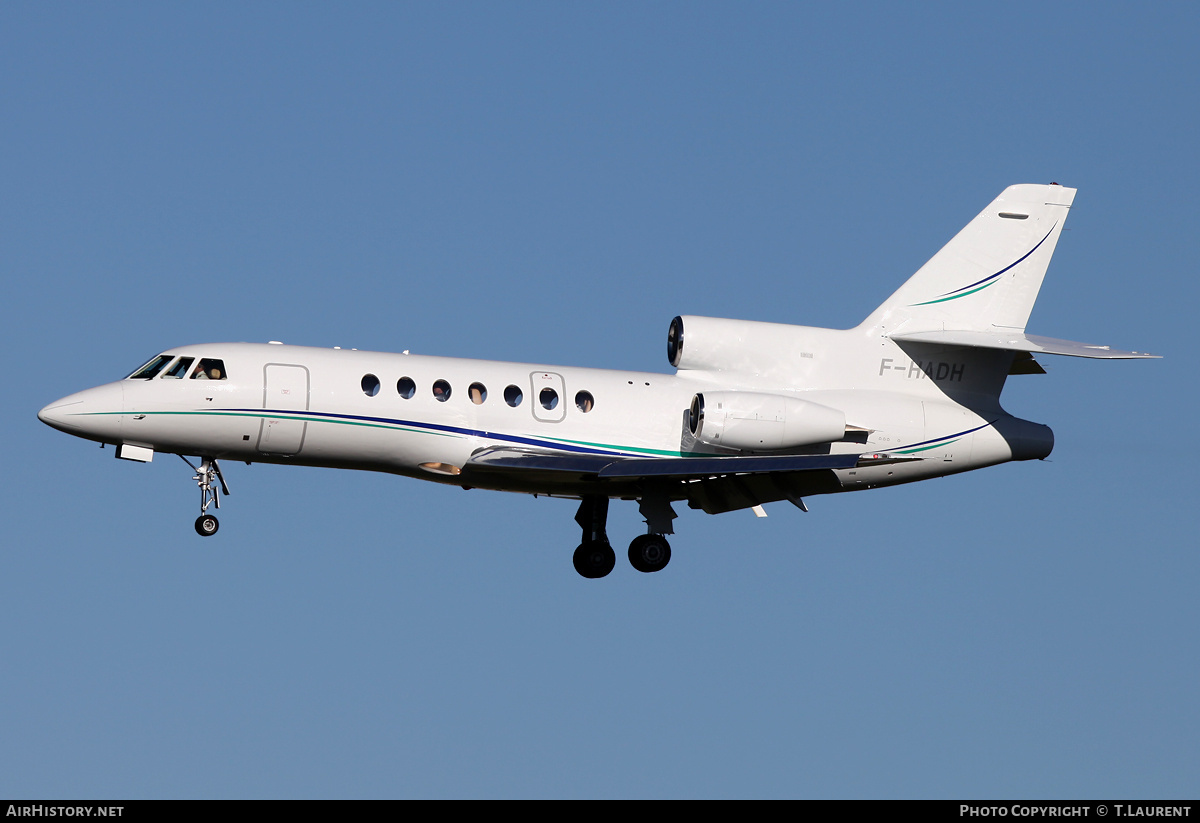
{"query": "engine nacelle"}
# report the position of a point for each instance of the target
(745, 346)
(761, 422)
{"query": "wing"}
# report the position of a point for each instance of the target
(713, 483)
(612, 467)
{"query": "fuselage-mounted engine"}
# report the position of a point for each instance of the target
(753, 421)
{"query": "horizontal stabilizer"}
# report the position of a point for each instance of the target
(1018, 341)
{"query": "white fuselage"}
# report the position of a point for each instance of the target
(315, 407)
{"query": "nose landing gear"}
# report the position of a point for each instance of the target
(209, 478)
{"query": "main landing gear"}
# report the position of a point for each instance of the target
(595, 557)
(649, 553)
(209, 478)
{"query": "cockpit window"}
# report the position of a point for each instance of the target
(209, 369)
(152, 368)
(180, 368)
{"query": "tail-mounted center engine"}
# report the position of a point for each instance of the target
(745, 346)
(754, 421)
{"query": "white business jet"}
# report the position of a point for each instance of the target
(755, 412)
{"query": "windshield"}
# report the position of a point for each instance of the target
(152, 368)
(180, 368)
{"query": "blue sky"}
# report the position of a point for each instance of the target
(553, 183)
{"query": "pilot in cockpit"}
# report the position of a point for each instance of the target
(208, 369)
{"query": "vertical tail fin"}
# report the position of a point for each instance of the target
(989, 275)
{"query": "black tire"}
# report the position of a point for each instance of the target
(649, 553)
(206, 525)
(594, 559)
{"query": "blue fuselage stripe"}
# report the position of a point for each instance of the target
(510, 438)
(948, 436)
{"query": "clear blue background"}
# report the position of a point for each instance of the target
(552, 183)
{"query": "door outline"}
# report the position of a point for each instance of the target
(539, 380)
(288, 435)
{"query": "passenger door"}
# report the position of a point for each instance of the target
(543, 410)
(285, 389)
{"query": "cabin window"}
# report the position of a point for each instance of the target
(548, 398)
(370, 385)
(209, 369)
(406, 388)
(584, 401)
(441, 391)
(478, 393)
(180, 368)
(513, 396)
(152, 368)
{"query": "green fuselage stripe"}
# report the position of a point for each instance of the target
(310, 419)
(927, 448)
(297, 416)
(390, 427)
(660, 452)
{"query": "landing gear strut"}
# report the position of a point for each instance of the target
(209, 478)
(595, 556)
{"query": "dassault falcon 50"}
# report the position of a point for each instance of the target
(754, 413)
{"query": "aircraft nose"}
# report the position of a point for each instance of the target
(94, 413)
(58, 413)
